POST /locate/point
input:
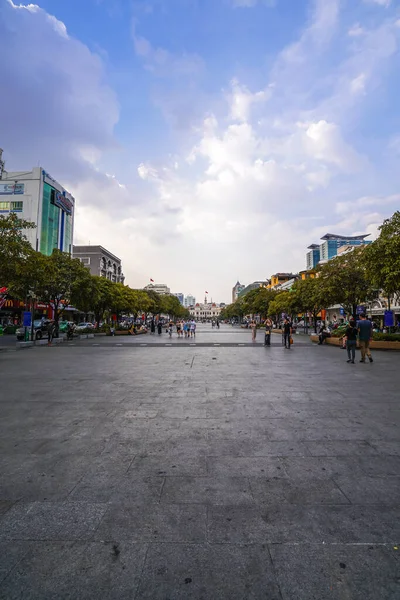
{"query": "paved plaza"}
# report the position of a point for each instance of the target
(207, 472)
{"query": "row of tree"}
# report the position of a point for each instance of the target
(60, 280)
(350, 280)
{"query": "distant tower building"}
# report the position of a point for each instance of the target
(180, 297)
(237, 288)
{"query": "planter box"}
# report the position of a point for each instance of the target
(374, 344)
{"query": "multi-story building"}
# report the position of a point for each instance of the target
(252, 286)
(189, 301)
(160, 288)
(313, 256)
(180, 297)
(237, 288)
(206, 311)
(330, 247)
(100, 262)
(278, 279)
(35, 196)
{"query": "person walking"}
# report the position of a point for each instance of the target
(159, 327)
(192, 328)
(253, 327)
(287, 333)
(152, 327)
(268, 329)
(50, 332)
(170, 327)
(364, 326)
(351, 340)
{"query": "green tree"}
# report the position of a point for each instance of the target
(284, 302)
(15, 248)
(102, 299)
(171, 306)
(382, 258)
(344, 280)
(234, 310)
(62, 276)
(308, 297)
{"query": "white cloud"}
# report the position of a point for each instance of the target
(356, 30)
(163, 63)
(384, 3)
(252, 3)
(246, 190)
(357, 85)
(242, 100)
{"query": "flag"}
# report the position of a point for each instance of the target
(152, 280)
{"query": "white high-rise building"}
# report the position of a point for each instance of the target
(189, 301)
(35, 196)
(160, 288)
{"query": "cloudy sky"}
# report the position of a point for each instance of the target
(207, 141)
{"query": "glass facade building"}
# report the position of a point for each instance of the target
(313, 256)
(56, 229)
(330, 246)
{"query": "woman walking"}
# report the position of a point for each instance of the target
(253, 326)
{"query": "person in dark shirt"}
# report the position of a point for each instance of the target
(287, 333)
(351, 342)
(324, 333)
(364, 336)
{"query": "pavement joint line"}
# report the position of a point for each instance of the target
(119, 344)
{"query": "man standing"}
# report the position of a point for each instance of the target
(287, 332)
(364, 326)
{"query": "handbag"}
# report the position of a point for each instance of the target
(291, 340)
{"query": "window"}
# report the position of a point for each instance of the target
(85, 260)
(4, 206)
(17, 206)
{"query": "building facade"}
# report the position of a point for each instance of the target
(237, 288)
(313, 256)
(278, 279)
(35, 196)
(205, 312)
(100, 261)
(253, 286)
(330, 247)
(159, 288)
(180, 297)
(189, 301)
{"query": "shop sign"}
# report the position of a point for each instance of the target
(388, 318)
(62, 202)
(11, 189)
(27, 319)
(13, 304)
(361, 309)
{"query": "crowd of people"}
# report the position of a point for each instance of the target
(184, 329)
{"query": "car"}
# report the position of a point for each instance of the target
(82, 326)
(40, 330)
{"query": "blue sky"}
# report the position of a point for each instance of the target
(207, 140)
